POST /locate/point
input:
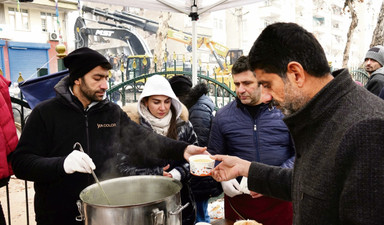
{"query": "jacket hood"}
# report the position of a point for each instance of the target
(62, 88)
(158, 85)
(378, 71)
(131, 110)
(195, 93)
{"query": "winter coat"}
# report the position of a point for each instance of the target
(154, 166)
(8, 135)
(376, 81)
(201, 110)
(264, 138)
(103, 130)
(338, 173)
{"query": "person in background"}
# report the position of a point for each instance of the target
(373, 65)
(338, 172)
(159, 110)
(253, 131)
(49, 155)
(201, 109)
(8, 136)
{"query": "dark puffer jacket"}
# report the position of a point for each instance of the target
(201, 110)
(264, 138)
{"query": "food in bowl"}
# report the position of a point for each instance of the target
(201, 165)
(247, 222)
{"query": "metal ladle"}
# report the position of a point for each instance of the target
(93, 173)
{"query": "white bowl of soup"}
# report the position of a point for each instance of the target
(201, 165)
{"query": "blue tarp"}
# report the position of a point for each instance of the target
(42, 88)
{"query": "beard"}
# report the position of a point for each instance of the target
(294, 100)
(88, 93)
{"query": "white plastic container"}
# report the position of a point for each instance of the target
(201, 165)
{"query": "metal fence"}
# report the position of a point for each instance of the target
(359, 75)
(21, 111)
(220, 86)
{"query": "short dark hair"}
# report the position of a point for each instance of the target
(281, 43)
(241, 65)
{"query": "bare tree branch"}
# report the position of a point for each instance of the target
(378, 33)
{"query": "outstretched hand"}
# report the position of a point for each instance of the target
(191, 150)
(230, 167)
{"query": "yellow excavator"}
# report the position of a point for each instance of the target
(217, 50)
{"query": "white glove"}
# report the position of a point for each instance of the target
(231, 188)
(244, 186)
(78, 162)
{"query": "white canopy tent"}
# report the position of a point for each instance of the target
(192, 8)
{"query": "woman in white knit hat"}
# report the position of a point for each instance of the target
(160, 110)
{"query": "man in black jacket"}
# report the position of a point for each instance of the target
(47, 152)
(373, 64)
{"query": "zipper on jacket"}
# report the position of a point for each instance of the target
(87, 137)
(86, 131)
(256, 137)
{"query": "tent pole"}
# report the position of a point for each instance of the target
(194, 55)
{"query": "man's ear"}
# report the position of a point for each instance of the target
(295, 69)
(77, 82)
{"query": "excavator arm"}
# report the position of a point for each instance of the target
(135, 43)
(217, 50)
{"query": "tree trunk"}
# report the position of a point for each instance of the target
(378, 33)
(161, 40)
(352, 28)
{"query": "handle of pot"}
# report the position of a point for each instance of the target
(179, 209)
(81, 211)
(157, 217)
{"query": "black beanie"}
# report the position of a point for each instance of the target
(83, 60)
(181, 85)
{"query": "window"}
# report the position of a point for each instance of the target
(218, 23)
(19, 20)
(268, 2)
(48, 22)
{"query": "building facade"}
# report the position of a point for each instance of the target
(29, 33)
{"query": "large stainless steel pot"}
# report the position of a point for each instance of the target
(146, 200)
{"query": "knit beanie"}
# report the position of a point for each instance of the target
(181, 85)
(158, 85)
(82, 60)
(376, 53)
